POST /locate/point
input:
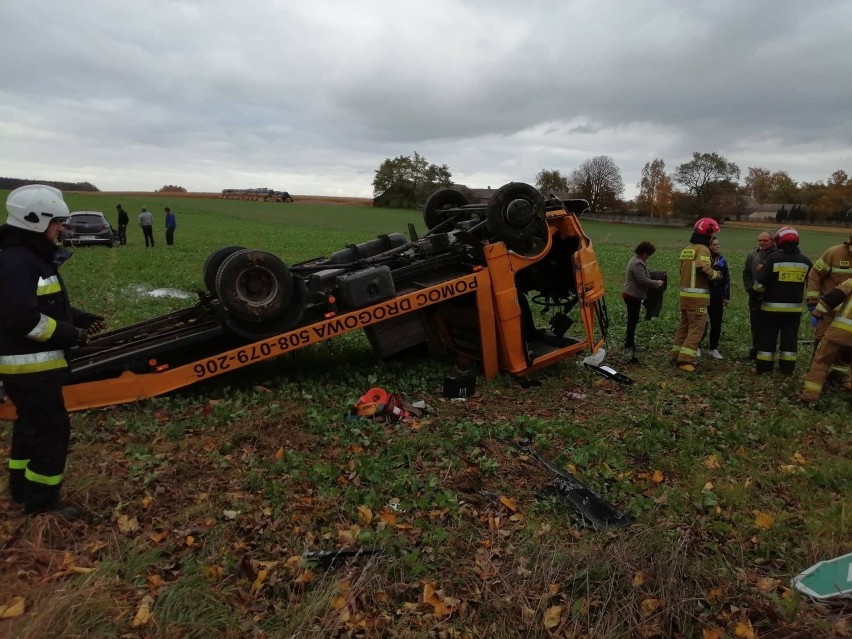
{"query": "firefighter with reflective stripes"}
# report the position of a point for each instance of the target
(781, 284)
(696, 273)
(37, 324)
(829, 271)
(836, 344)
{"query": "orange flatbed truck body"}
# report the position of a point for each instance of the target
(487, 297)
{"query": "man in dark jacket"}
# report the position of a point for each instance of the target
(171, 225)
(753, 265)
(781, 285)
(123, 221)
(37, 324)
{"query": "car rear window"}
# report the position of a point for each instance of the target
(87, 219)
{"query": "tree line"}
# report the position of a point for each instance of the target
(14, 183)
(708, 184)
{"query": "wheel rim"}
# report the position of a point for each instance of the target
(257, 286)
(519, 213)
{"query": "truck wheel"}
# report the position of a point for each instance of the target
(214, 261)
(439, 203)
(254, 285)
(516, 216)
(288, 320)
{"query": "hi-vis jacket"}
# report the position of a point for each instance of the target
(782, 281)
(829, 271)
(36, 318)
(839, 302)
(696, 273)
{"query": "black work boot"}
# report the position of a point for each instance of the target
(54, 507)
(16, 486)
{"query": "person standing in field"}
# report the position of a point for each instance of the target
(37, 325)
(637, 281)
(696, 273)
(720, 297)
(781, 284)
(171, 225)
(833, 267)
(753, 265)
(146, 223)
(123, 221)
(835, 347)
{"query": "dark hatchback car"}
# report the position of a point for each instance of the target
(85, 228)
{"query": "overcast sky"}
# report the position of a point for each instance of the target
(310, 96)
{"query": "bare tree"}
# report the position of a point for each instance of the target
(655, 188)
(598, 180)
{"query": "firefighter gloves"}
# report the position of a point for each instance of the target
(91, 322)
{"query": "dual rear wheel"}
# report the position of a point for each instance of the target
(515, 215)
(257, 289)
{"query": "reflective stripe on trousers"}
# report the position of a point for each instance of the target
(782, 307)
(32, 362)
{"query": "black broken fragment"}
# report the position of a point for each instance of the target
(609, 373)
(593, 511)
(332, 558)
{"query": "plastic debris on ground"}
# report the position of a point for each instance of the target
(596, 358)
(381, 406)
(331, 558)
(609, 373)
(591, 509)
(828, 581)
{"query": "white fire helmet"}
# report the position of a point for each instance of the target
(35, 206)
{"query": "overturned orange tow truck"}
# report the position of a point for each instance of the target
(469, 285)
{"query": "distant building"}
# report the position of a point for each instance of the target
(769, 211)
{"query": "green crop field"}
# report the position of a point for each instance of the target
(202, 503)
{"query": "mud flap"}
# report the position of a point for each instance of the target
(593, 510)
(609, 373)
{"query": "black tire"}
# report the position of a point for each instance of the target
(517, 217)
(214, 261)
(290, 319)
(441, 201)
(254, 286)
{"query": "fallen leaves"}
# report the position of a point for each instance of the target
(656, 476)
(649, 606)
(712, 462)
(15, 607)
(126, 524)
(365, 514)
(509, 503)
(744, 630)
(552, 617)
(763, 520)
(143, 613)
(442, 605)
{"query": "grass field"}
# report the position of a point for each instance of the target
(202, 503)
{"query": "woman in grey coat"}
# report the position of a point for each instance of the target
(636, 284)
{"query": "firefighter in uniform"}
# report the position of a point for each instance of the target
(836, 342)
(781, 283)
(37, 324)
(696, 273)
(829, 271)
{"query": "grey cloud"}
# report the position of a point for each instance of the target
(305, 89)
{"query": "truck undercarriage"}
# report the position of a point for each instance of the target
(472, 285)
